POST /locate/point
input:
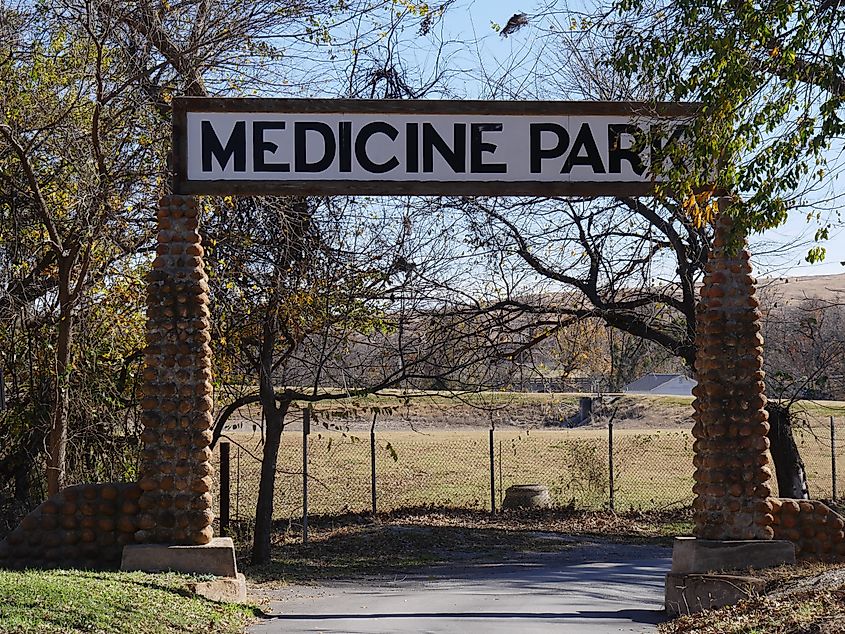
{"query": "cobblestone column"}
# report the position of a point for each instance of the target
(732, 476)
(175, 504)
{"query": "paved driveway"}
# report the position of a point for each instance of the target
(592, 589)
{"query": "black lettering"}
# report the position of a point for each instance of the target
(412, 147)
(659, 147)
(364, 135)
(345, 146)
(616, 153)
(235, 146)
(456, 158)
(538, 154)
(260, 146)
(584, 141)
(300, 136)
(478, 147)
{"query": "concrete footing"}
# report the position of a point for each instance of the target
(687, 594)
(215, 558)
(222, 589)
(693, 584)
(691, 555)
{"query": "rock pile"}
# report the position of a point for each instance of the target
(176, 472)
(732, 476)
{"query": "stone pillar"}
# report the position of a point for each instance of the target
(175, 479)
(732, 476)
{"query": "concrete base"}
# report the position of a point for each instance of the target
(692, 556)
(215, 558)
(688, 594)
(692, 586)
(222, 589)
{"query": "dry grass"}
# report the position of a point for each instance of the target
(452, 469)
(802, 599)
(814, 612)
(653, 468)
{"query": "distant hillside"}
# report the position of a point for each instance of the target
(793, 290)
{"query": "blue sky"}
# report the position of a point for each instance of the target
(485, 65)
(778, 252)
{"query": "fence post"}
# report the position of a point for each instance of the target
(492, 476)
(225, 488)
(610, 464)
(306, 429)
(833, 457)
(501, 486)
(373, 463)
(2, 385)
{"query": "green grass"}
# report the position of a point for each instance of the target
(71, 601)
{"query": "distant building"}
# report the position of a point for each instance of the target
(663, 384)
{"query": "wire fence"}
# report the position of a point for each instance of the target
(618, 469)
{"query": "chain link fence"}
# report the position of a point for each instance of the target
(594, 469)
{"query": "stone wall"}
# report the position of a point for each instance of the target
(84, 526)
(817, 531)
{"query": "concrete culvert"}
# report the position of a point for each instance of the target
(522, 496)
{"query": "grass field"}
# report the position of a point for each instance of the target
(453, 469)
(72, 601)
(441, 467)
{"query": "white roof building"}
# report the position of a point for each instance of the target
(663, 384)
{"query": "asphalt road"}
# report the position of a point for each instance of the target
(594, 589)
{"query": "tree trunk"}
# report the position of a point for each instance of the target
(789, 468)
(274, 417)
(57, 445)
(267, 485)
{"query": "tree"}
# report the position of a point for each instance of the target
(807, 350)
(805, 360)
(627, 263)
(769, 80)
(632, 263)
(306, 297)
(84, 139)
(313, 303)
(72, 164)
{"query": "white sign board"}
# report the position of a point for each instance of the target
(420, 147)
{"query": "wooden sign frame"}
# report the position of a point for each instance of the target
(182, 184)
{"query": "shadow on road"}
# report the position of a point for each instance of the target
(651, 617)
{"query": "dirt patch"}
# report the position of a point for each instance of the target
(357, 544)
(504, 411)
